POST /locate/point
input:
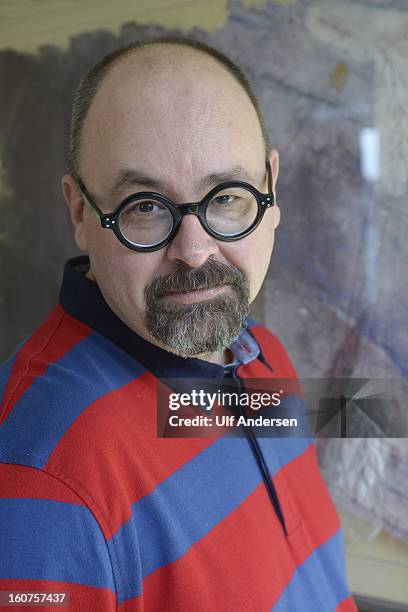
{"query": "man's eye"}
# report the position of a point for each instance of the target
(224, 199)
(144, 208)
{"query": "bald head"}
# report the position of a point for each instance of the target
(170, 68)
(170, 108)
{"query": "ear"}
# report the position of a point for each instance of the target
(75, 204)
(274, 161)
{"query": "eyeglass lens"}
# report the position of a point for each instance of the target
(148, 222)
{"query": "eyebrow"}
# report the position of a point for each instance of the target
(129, 177)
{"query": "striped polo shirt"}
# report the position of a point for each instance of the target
(94, 504)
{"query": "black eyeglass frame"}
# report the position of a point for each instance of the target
(111, 220)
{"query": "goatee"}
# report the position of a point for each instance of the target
(204, 326)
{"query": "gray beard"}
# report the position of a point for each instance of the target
(203, 327)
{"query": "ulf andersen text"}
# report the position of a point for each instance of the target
(230, 421)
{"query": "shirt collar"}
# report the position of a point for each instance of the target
(82, 299)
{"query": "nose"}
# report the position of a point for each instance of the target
(192, 244)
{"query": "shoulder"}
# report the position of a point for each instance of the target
(62, 370)
(50, 534)
(272, 349)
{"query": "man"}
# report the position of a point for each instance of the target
(95, 504)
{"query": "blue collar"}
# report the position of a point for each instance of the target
(82, 299)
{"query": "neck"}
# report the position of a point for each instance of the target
(219, 357)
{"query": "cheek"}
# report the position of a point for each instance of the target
(260, 260)
(252, 256)
(122, 275)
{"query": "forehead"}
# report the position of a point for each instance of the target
(172, 107)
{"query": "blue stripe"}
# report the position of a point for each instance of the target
(92, 368)
(50, 540)
(320, 583)
(5, 371)
(188, 504)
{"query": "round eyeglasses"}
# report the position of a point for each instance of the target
(147, 221)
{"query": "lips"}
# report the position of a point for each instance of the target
(192, 290)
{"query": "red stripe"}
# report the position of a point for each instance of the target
(82, 598)
(137, 604)
(265, 559)
(55, 337)
(109, 465)
(347, 605)
(308, 494)
(28, 482)
(260, 557)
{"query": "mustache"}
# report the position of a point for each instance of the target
(212, 274)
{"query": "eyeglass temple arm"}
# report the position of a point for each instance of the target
(269, 173)
(87, 197)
